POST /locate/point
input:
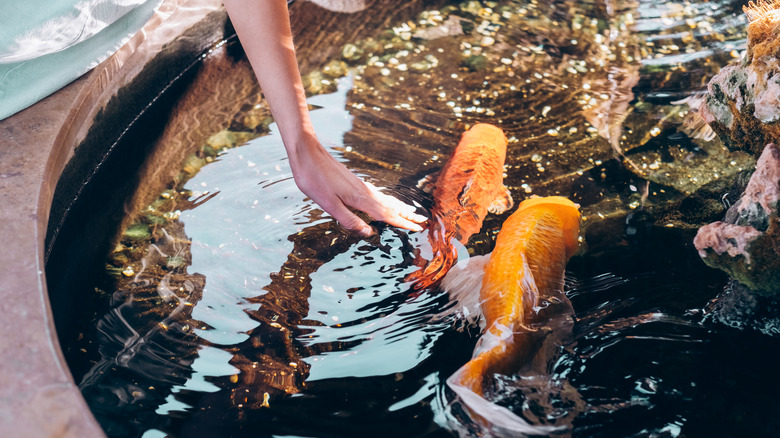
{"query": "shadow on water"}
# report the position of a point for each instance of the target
(237, 308)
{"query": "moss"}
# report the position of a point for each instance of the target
(138, 231)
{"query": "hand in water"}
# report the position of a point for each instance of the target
(264, 30)
(334, 188)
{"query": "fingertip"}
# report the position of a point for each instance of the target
(365, 230)
(418, 218)
(361, 228)
(416, 227)
(407, 224)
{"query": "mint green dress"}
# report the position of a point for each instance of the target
(46, 44)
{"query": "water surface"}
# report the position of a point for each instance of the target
(240, 309)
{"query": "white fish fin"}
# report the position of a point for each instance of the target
(503, 203)
(463, 283)
(498, 417)
(496, 336)
(347, 6)
(428, 182)
(693, 124)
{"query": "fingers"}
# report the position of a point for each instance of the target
(345, 217)
(350, 221)
(392, 211)
(379, 206)
(403, 209)
(398, 214)
(337, 190)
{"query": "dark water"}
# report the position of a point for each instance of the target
(239, 309)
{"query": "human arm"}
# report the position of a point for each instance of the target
(263, 27)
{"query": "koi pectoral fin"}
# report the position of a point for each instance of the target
(503, 203)
(464, 197)
(439, 265)
(427, 183)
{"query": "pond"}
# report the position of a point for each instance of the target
(231, 305)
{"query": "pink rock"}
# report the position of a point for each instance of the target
(762, 80)
(750, 229)
(764, 185)
(725, 238)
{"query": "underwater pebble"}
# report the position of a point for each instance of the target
(475, 62)
(351, 52)
(137, 232)
(335, 69)
(175, 261)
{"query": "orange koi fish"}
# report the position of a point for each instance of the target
(469, 186)
(525, 269)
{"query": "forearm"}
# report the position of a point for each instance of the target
(263, 27)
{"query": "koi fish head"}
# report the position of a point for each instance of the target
(486, 134)
(566, 210)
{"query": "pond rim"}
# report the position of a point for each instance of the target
(37, 394)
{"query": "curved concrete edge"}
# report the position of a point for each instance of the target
(43, 143)
(38, 397)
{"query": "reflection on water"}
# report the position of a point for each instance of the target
(240, 309)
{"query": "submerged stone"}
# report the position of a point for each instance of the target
(193, 164)
(256, 120)
(138, 231)
(475, 62)
(175, 261)
(228, 139)
(743, 100)
(317, 83)
(335, 69)
(746, 244)
(352, 53)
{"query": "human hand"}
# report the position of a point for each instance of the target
(264, 30)
(335, 189)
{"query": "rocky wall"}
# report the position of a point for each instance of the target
(742, 106)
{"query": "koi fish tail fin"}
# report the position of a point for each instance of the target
(467, 385)
(445, 254)
(462, 283)
(469, 377)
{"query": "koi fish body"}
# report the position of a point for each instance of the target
(527, 265)
(469, 186)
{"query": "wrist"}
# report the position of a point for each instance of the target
(300, 142)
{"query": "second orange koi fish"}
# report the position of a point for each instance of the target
(469, 186)
(525, 268)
